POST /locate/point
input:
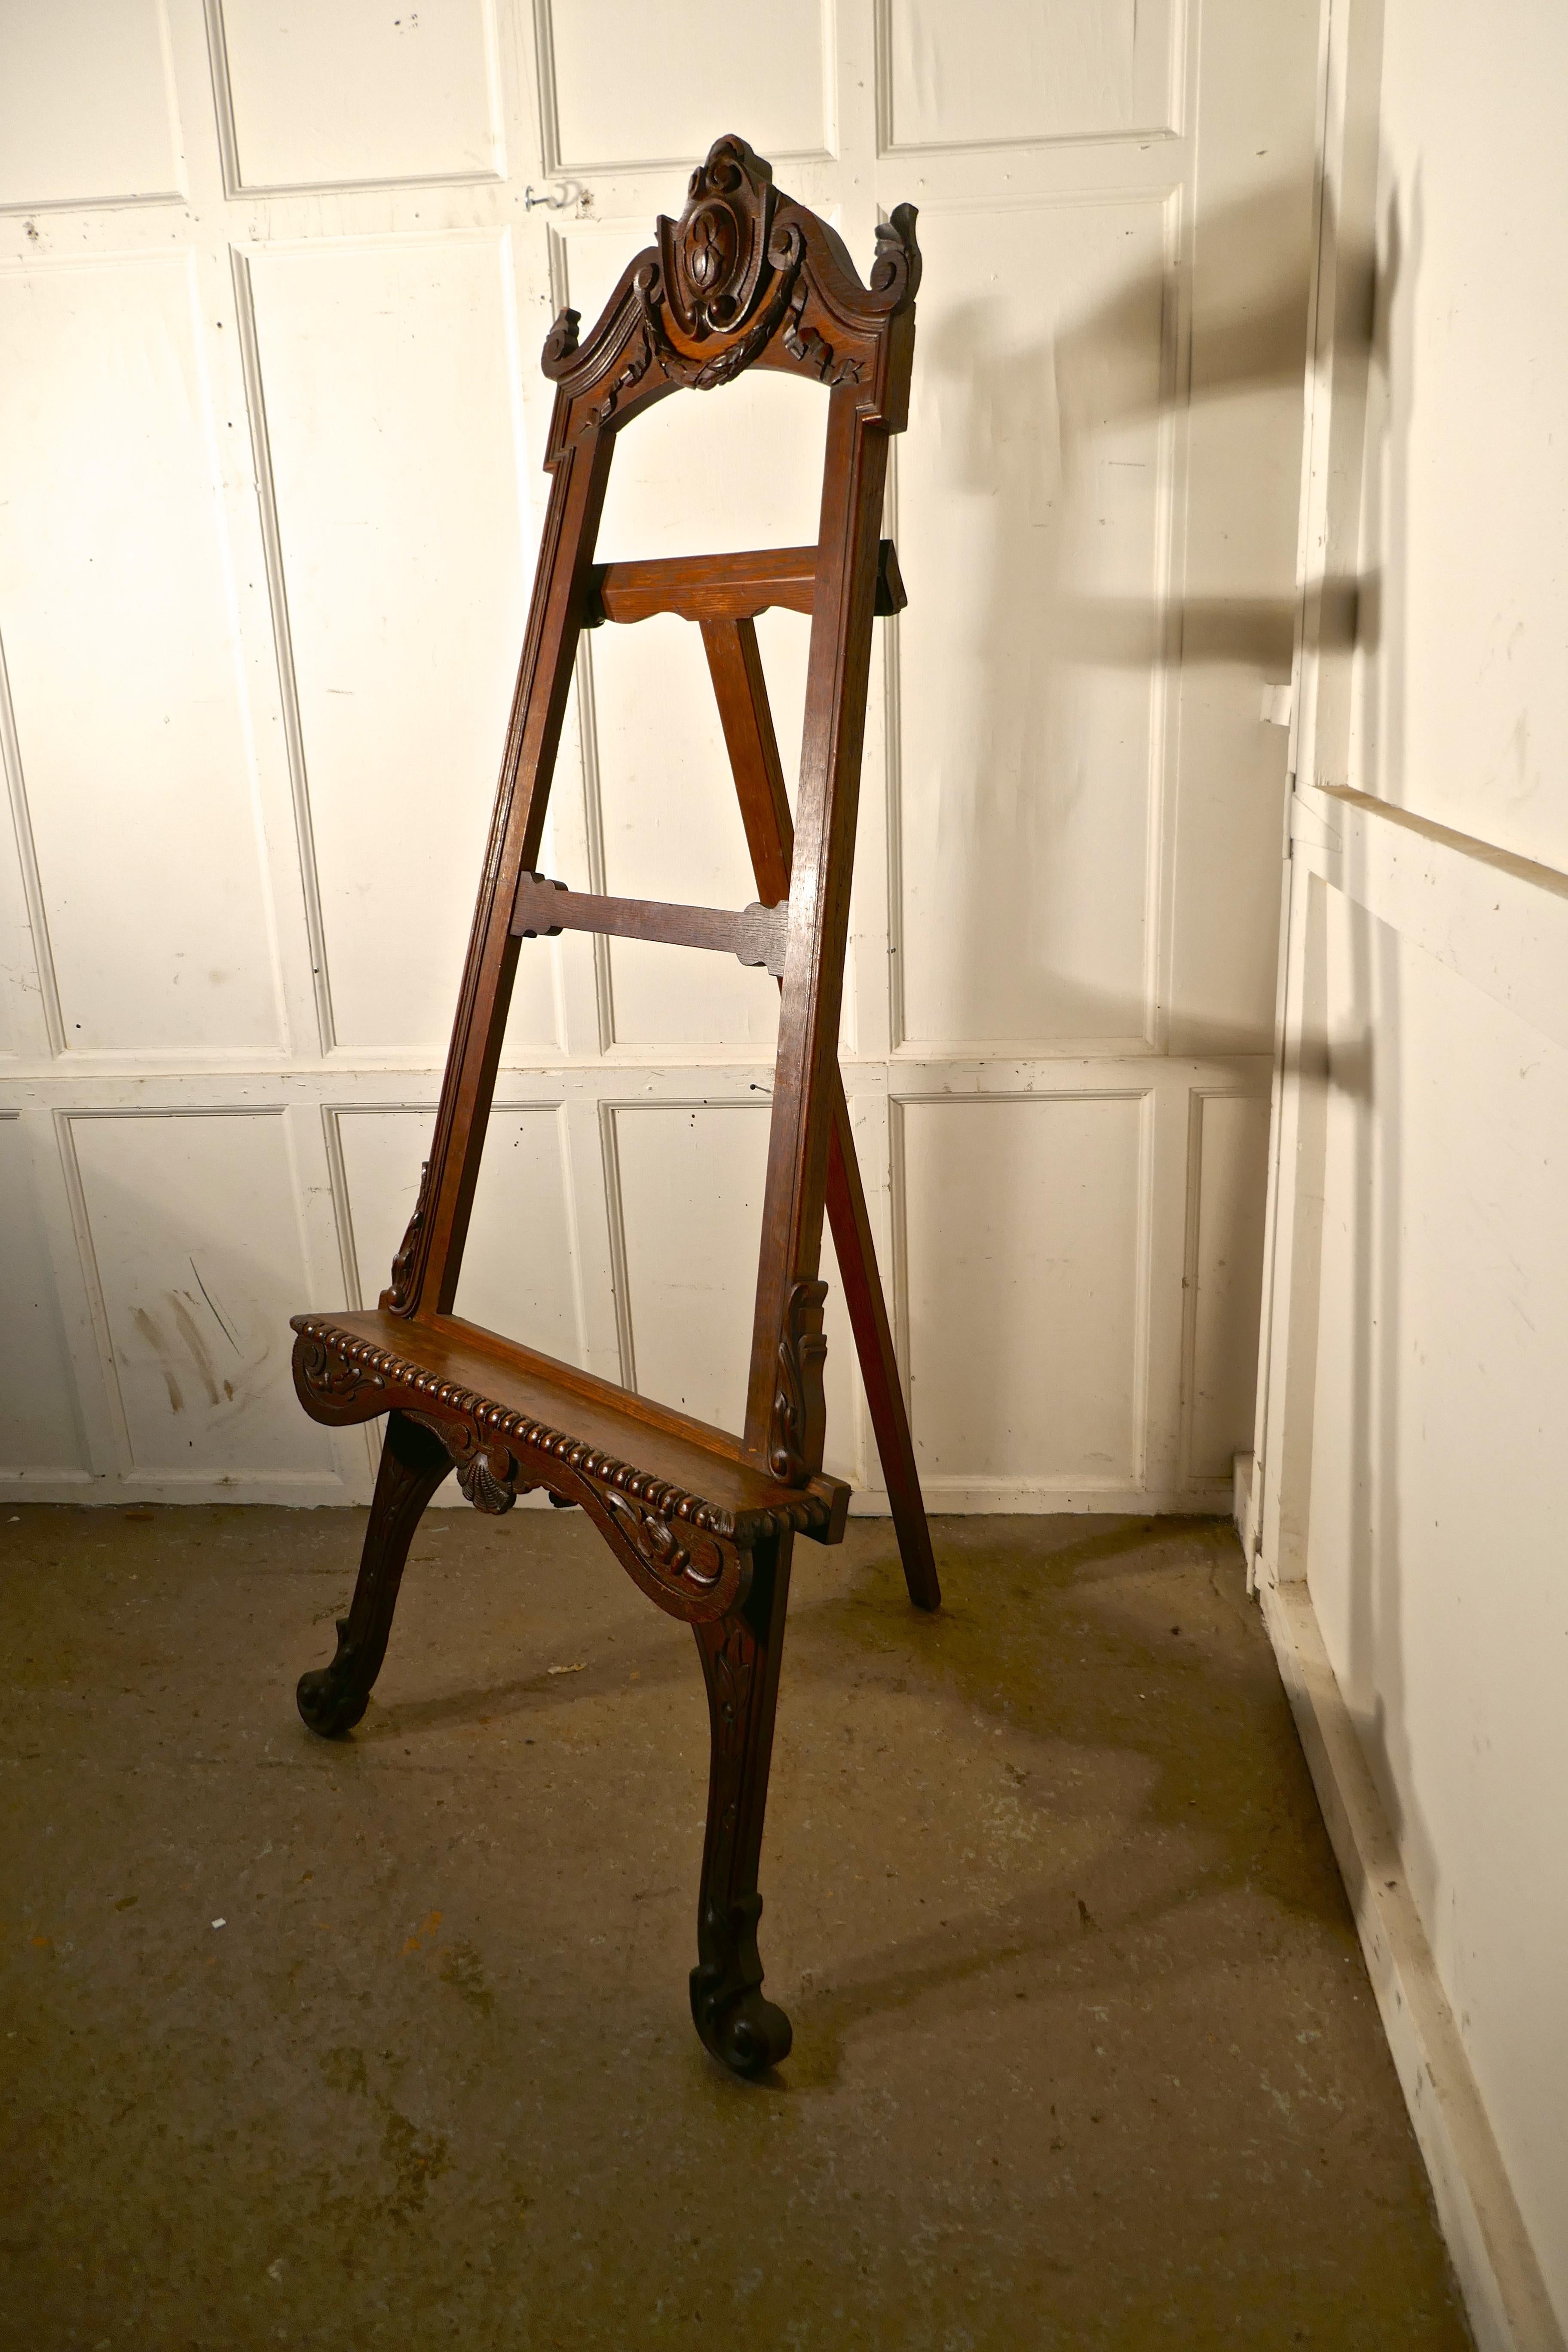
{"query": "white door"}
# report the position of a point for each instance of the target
(271, 298)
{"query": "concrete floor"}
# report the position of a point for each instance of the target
(1085, 2054)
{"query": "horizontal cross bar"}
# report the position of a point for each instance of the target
(757, 935)
(725, 587)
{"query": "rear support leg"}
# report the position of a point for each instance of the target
(851, 1229)
(739, 1657)
(414, 1462)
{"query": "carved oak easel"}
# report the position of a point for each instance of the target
(703, 1521)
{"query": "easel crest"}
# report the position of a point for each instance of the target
(747, 276)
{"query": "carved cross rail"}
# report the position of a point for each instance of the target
(725, 587)
(757, 935)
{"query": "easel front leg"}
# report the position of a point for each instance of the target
(735, 665)
(414, 1462)
(739, 1657)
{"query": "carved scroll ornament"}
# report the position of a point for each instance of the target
(685, 1570)
(800, 1410)
(398, 1297)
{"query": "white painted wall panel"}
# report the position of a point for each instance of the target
(691, 1178)
(519, 1273)
(86, 113)
(679, 80)
(1435, 1543)
(1230, 1168)
(195, 1240)
(1022, 1234)
(1029, 525)
(1463, 686)
(1417, 1343)
(958, 75)
(22, 1024)
(360, 90)
(1054, 856)
(672, 830)
(389, 371)
(39, 1429)
(117, 619)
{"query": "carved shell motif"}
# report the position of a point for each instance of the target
(488, 1475)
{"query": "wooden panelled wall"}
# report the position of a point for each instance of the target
(271, 295)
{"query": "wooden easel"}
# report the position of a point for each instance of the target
(703, 1520)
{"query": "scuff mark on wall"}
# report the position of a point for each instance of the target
(194, 1342)
(206, 1293)
(155, 1340)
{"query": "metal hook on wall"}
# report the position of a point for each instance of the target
(555, 197)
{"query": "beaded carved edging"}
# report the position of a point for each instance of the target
(324, 1355)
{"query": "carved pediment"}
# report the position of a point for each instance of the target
(745, 277)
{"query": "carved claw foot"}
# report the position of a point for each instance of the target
(332, 1699)
(413, 1461)
(739, 1657)
(744, 2033)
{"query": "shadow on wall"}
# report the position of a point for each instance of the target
(1062, 676)
(1030, 440)
(1366, 1064)
(1357, 1054)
